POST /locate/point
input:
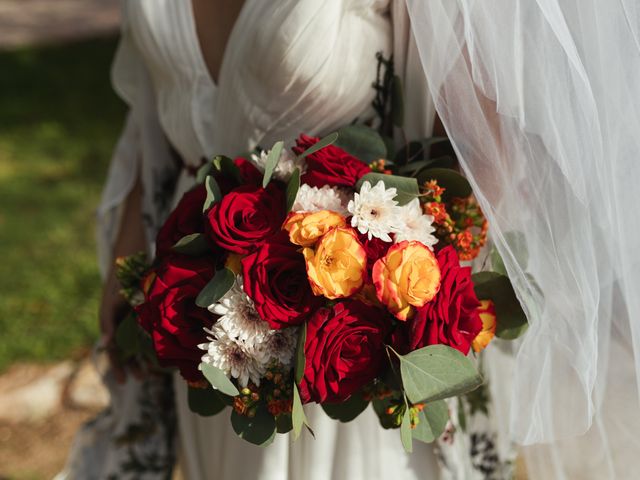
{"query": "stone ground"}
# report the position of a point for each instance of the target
(29, 22)
(41, 407)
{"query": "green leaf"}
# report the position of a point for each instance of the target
(259, 430)
(432, 421)
(407, 188)
(320, 144)
(362, 142)
(412, 169)
(194, 244)
(436, 372)
(127, 336)
(462, 414)
(219, 380)
(397, 102)
(203, 172)
(292, 188)
(214, 195)
(213, 291)
(517, 243)
(298, 367)
(511, 319)
(227, 168)
(284, 423)
(405, 431)
(205, 401)
(272, 162)
(347, 410)
(455, 184)
(298, 418)
(417, 150)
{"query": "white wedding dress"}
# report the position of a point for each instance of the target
(540, 101)
(289, 67)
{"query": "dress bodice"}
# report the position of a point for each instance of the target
(310, 71)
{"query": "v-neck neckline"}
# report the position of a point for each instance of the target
(199, 54)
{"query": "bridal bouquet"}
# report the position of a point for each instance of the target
(322, 274)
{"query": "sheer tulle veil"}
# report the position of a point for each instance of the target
(541, 99)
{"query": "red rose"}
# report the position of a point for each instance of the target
(185, 219)
(248, 171)
(330, 165)
(170, 313)
(375, 249)
(344, 351)
(451, 318)
(246, 217)
(275, 278)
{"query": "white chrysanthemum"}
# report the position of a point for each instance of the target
(233, 357)
(416, 225)
(314, 199)
(280, 344)
(375, 212)
(238, 316)
(286, 165)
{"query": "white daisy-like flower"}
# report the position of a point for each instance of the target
(375, 212)
(416, 225)
(233, 357)
(314, 199)
(238, 316)
(280, 344)
(286, 165)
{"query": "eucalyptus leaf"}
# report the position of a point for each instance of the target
(213, 291)
(380, 406)
(405, 431)
(413, 169)
(435, 372)
(292, 188)
(127, 336)
(284, 423)
(219, 380)
(204, 171)
(397, 102)
(272, 162)
(455, 184)
(417, 150)
(195, 244)
(227, 168)
(214, 195)
(298, 367)
(320, 144)
(362, 142)
(298, 417)
(259, 430)
(205, 401)
(432, 421)
(511, 321)
(347, 410)
(407, 188)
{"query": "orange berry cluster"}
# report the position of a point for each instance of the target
(380, 166)
(460, 222)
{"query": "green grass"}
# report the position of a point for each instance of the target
(59, 120)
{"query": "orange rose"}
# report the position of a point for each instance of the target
(306, 228)
(337, 267)
(407, 276)
(487, 313)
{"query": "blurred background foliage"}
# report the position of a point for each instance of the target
(59, 120)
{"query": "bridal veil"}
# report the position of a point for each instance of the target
(541, 99)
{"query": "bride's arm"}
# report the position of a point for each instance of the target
(113, 307)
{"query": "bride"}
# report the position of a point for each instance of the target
(544, 121)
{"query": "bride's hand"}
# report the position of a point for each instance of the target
(113, 309)
(113, 306)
